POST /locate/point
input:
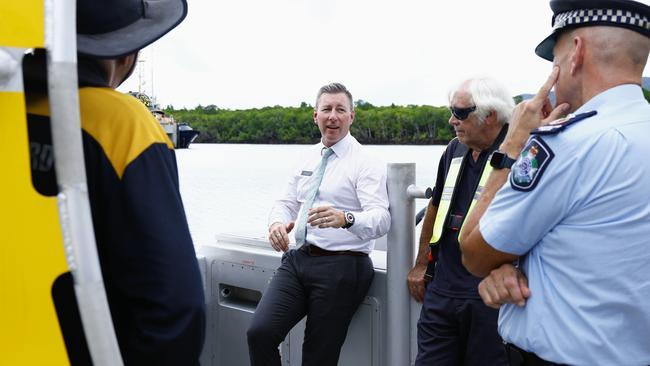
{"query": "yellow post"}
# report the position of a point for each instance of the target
(31, 248)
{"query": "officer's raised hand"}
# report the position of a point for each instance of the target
(532, 114)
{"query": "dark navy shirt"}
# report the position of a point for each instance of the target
(451, 278)
(147, 257)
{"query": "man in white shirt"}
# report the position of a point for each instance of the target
(338, 196)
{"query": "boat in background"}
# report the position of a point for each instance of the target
(186, 135)
(180, 133)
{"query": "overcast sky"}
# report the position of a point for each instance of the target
(253, 53)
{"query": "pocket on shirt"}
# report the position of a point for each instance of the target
(302, 186)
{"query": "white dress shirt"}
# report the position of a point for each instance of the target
(353, 181)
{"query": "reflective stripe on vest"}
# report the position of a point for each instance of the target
(448, 193)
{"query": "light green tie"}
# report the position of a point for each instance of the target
(301, 228)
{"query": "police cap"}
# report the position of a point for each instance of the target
(568, 14)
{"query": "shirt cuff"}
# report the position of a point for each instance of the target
(369, 225)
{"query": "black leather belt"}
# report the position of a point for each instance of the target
(519, 357)
(315, 251)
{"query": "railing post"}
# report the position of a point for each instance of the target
(399, 255)
(402, 193)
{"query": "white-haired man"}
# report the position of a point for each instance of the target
(455, 327)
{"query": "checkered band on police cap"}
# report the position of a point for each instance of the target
(613, 16)
(628, 14)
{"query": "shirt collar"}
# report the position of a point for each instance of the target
(626, 92)
(341, 147)
(34, 65)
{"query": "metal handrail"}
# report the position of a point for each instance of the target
(402, 193)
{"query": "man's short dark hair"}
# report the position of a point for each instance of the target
(334, 88)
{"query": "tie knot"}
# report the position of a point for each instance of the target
(326, 152)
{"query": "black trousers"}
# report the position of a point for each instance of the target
(327, 289)
(453, 332)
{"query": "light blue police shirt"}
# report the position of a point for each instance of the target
(581, 223)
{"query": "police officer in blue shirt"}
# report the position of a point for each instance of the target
(574, 210)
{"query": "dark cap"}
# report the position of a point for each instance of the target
(568, 14)
(116, 28)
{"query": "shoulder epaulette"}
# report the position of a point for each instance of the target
(562, 123)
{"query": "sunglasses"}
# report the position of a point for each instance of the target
(461, 114)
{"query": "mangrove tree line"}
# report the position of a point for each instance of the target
(403, 125)
(294, 125)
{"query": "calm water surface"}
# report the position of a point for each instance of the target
(230, 188)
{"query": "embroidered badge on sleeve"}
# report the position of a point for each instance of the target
(530, 166)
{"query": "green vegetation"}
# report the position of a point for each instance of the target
(294, 125)
(403, 125)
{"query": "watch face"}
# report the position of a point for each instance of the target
(349, 218)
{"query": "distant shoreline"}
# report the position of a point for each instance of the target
(373, 125)
(383, 125)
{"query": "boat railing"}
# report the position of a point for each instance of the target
(402, 193)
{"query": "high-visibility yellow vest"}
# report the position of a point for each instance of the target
(460, 156)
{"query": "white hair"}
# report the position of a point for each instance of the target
(488, 95)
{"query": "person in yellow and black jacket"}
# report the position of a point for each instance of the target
(148, 262)
(455, 327)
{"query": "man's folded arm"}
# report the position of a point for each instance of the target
(478, 256)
